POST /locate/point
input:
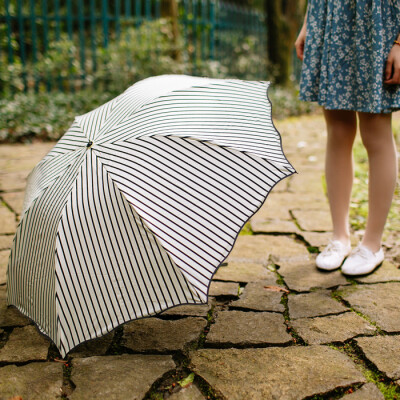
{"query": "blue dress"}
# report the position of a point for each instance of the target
(346, 47)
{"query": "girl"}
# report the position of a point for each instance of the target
(351, 66)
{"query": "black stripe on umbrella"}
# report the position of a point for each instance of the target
(139, 203)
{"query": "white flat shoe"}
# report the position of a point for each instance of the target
(362, 261)
(333, 255)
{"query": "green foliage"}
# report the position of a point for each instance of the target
(46, 115)
(77, 87)
(285, 102)
(144, 51)
(139, 53)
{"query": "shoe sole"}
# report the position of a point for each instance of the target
(335, 268)
(364, 273)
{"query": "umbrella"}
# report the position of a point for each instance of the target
(139, 203)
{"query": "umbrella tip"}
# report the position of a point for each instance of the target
(89, 144)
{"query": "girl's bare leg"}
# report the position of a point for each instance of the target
(377, 136)
(341, 127)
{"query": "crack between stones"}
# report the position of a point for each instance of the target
(365, 366)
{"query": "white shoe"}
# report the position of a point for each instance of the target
(333, 255)
(362, 261)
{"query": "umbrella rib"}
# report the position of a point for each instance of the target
(188, 178)
(107, 175)
(185, 155)
(145, 219)
(98, 206)
(214, 148)
(124, 204)
(216, 172)
(161, 199)
(147, 229)
(46, 228)
(79, 243)
(151, 230)
(190, 90)
(83, 253)
(73, 301)
(172, 221)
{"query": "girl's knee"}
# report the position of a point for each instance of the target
(341, 125)
(375, 130)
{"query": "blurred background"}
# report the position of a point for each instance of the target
(59, 58)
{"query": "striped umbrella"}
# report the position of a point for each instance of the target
(138, 204)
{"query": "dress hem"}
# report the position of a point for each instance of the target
(328, 107)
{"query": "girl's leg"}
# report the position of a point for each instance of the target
(341, 127)
(377, 136)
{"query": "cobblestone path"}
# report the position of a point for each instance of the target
(275, 327)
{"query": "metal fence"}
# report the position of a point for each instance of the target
(232, 36)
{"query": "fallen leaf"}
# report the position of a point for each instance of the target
(276, 289)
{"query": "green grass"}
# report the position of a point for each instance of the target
(246, 230)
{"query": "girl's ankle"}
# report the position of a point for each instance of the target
(374, 247)
(344, 239)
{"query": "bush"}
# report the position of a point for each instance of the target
(47, 116)
(143, 51)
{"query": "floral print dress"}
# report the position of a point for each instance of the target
(346, 47)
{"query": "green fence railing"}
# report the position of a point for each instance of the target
(47, 44)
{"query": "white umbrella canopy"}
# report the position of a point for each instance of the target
(139, 203)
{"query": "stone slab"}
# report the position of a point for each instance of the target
(256, 296)
(303, 275)
(223, 289)
(127, 376)
(94, 347)
(313, 220)
(15, 181)
(284, 373)
(247, 328)
(8, 223)
(190, 310)
(273, 207)
(258, 248)
(273, 226)
(384, 352)
(316, 239)
(321, 239)
(317, 303)
(332, 328)
(10, 316)
(380, 302)
(250, 249)
(23, 157)
(4, 255)
(14, 200)
(245, 272)
(33, 381)
(25, 344)
(384, 273)
(6, 241)
(279, 204)
(309, 182)
(155, 334)
(368, 391)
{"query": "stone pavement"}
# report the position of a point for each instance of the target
(274, 328)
